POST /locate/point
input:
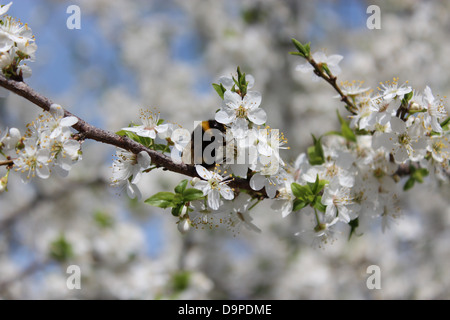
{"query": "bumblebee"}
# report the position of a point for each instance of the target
(206, 145)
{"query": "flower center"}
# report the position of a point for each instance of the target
(214, 183)
(404, 139)
(241, 112)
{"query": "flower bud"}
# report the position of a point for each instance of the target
(184, 225)
(414, 106)
(194, 181)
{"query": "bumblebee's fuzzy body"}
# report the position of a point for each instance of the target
(202, 136)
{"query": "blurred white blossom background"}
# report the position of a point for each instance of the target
(138, 54)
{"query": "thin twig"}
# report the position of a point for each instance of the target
(332, 81)
(6, 163)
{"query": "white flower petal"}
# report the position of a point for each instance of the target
(239, 128)
(257, 181)
(226, 192)
(42, 171)
(5, 8)
(225, 117)
(214, 199)
(203, 172)
(398, 125)
(68, 121)
(334, 59)
(56, 111)
(400, 155)
(252, 100)
(304, 68)
(232, 99)
(162, 128)
(257, 116)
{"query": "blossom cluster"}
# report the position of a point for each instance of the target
(16, 45)
(47, 145)
(343, 177)
(390, 129)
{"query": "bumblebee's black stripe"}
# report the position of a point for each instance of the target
(205, 129)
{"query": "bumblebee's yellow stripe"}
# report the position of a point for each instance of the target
(205, 125)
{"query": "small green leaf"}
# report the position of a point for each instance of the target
(409, 184)
(103, 219)
(61, 250)
(121, 132)
(419, 174)
(304, 50)
(158, 147)
(347, 132)
(176, 211)
(317, 203)
(315, 153)
(317, 186)
(445, 122)
(162, 200)
(335, 133)
(181, 186)
(307, 48)
(220, 89)
(299, 191)
(181, 281)
(299, 204)
(192, 194)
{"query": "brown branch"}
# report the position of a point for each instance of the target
(331, 79)
(88, 131)
(6, 163)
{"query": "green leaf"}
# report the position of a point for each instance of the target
(419, 174)
(307, 48)
(103, 219)
(347, 132)
(299, 204)
(315, 185)
(317, 203)
(335, 133)
(407, 97)
(181, 281)
(159, 147)
(181, 186)
(300, 192)
(409, 184)
(315, 153)
(176, 211)
(61, 250)
(304, 50)
(220, 89)
(318, 185)
(133, 136)
(192, 194)
(445, 122)
(121, 132)
(162, 200)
